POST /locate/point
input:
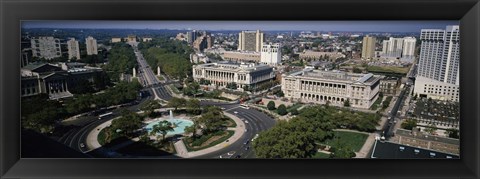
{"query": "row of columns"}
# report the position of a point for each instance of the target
(323, 87)
(56, 86)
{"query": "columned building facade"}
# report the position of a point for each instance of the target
(334, 87)
(222, 74)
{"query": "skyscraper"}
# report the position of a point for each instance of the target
(91, 44)
(368, 47)
(73, 49)
(250, 40)
(46, 47)
(438, 65)
(440, 54)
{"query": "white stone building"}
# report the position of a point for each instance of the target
(429, 88)
(317, 86)
(242, 74)
(271, 54)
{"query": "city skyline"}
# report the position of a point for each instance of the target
(350, 26)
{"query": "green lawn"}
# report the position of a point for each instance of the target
(352, 139)
(388, 69)
(174, 89)
(160, 78)
(190, 148)
(376, 104)
(321, 155)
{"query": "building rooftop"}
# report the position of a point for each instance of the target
(232, 66)
(337, 75)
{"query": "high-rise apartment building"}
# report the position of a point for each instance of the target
(271, 54)
(92, 46)
(399, 47)
(438, 65)
(393, 47)
(73, 49)
(440, 54)
(408, 51)
(250, 40)
(368, 47)
(46, 47)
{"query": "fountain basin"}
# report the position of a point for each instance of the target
(179, 124)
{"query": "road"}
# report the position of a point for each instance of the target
(257, 122)
(148, 78)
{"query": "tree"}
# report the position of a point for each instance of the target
(150, 106)
(163, 127)
(232, 85)
(192, 89)
(356, 70)
(127, 124)
(293, 139)
(176, 103)
(346, 103)
(409, 124)
(282, 110)
(294, 111)
(431, 129)
(453, 133)
(193, 106)
(271, 105)
(341, 151)
(212, 119)
(193, 128)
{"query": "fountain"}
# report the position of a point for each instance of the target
(178, 124)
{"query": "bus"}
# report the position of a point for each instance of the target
(244, 106)
(104, 115)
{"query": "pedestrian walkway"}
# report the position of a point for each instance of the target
(181, 149)
(367, 147)
(92, 137)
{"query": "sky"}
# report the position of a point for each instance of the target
(351, 26)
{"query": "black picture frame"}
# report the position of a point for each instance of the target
(12, 12)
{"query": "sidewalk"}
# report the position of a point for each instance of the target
(367, 147)
(92, 138)
(239, 131)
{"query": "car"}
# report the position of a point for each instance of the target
(231, 153)
(246, 142)
(248, 147)
(235, 112)
(82, 145)
(246, 121)
(245, 130)
(238, 156)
